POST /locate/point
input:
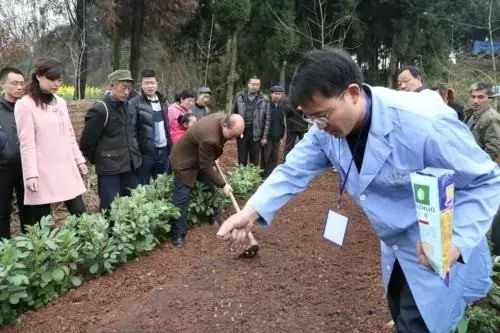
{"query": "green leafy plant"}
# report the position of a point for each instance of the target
(47, 261)
(13, 279)
(205, 202)
(482, 320)
(51, 261)
(140, 221)
(244, 180)
(99, 252)
(482, 317)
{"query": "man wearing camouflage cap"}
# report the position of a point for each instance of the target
(109, 140)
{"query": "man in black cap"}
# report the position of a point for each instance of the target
(271, 151)
(200, 108)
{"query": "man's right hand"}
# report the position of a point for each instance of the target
(237, 226)
(227, 189)
(32, 184)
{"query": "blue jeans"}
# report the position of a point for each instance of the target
(152, 166)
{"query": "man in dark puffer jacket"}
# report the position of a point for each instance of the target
(152, 129)
(11, 173)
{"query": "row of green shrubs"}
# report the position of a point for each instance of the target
(47, 261)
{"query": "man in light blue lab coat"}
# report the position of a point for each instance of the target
(375, 137)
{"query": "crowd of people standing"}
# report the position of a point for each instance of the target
(130, 137)
(384, 134)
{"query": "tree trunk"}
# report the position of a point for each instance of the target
(393, 66)
(209, 50)
(82, 65)
(116, 49)
(136, 37)
(232, 71)
(282, 76)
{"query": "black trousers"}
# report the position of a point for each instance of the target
(269, 158)
(75, 206)
(154, 165)
(181, 198)
(11, 180)
(248, 149)
(404, 310)
(291, 139)
(111, 186)
(495, 233)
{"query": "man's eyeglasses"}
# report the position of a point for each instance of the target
(322, 120)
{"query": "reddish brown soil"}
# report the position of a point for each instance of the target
(298, 283)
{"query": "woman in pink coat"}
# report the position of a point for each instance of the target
(51, 160)
(183, 104)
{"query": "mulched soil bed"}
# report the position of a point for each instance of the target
(298, 283)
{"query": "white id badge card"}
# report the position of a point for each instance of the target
(336, 226)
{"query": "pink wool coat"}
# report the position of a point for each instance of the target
(49, 151)
(176, 129)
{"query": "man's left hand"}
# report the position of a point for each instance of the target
(263, 142)
(422, 257)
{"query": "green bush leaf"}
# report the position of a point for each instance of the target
(46, 276)
(94, 268)
(76, 281)
(19, 280)
(13, 299)
(58, 275)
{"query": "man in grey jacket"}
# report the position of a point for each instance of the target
(253, 106)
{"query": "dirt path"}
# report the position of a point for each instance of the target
(299, 283)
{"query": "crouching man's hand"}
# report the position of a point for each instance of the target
(227, 189)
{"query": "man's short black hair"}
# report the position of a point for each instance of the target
(147, 73)
(414, 70)
(5, 71)
(253, 77)
(327, 72)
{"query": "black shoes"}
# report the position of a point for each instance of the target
(178, 241)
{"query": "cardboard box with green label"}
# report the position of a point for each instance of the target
(434, 193)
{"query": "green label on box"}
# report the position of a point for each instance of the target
(421, 194)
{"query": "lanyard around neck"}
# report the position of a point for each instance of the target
(343, 184)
